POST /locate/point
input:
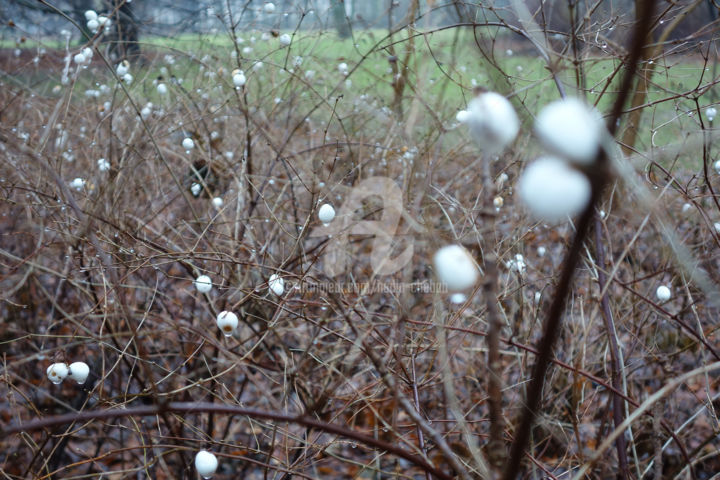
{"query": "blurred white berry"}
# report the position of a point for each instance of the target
(79, 372)
(310, 74)
(217, 202)
(203, 284)
(571, 129)
(326, 213)
(298, 61)
(90, 15)
(276, 284)
(710, 113)
(285, 39)
(122, 68)
(716, 165)
(195, 189)
(269, 7)
(541, 251)
(458, 297)
(663, 293)
(188, 143)
(127, 78)
(686, 207)
(103, 165)
(502, 178)
(145, 112)
(462, 116)
(343, 68)
(78, 183)
(455, 267)
(87, 53)
(104, 22)
(518, 264)
(79, 58)
(93, 25)
(498, 201)
(57, 372)
(717, 227)
(227, 322)
(552, 190)
(162, 88)
(239, 79)
(492, 121)
(206, 464)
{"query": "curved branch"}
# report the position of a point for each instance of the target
(204, 407)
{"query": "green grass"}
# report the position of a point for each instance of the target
(441, 73)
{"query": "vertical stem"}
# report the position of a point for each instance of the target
(551, 331)
(598, 178)
(618, 407)
(496, 448)
(416, 399)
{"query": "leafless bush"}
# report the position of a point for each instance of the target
(562, 361)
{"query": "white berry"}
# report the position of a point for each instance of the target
(326, 213)
(203, 284)
(458, 298)
(285, 39)
(269, 7)
(78, 183)
(122, 68)
(663, 293)
(103, 165)
(239, 79)
(571, 129)
(57, 372)
(710, 113)
(552, 190)
(492, 121)
(227, 322)
(206, 464)
(455, 267)
(188, 143)
(276, 284)
(79, 372)
(462, 116)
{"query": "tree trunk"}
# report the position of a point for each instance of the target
(340, 18)
(124, 33)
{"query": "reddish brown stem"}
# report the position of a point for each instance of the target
(204, 407)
